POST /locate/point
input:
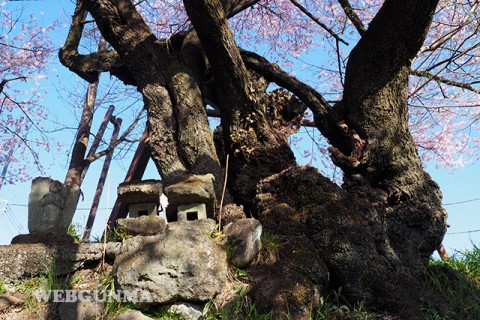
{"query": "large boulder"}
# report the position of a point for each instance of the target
(186, 310)
(132, 315)
(25, 260)
(85, 310)
(183, 263)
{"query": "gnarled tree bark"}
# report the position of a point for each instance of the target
(374, 236)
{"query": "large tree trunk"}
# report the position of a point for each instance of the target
(370, 135)
(373, 237)
(179, 136)
(377, 234)
(257, 148)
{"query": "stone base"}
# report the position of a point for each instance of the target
(43, 238)
(143, 209)
(191, 212)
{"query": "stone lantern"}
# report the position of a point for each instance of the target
(191, 199)
(141, 197)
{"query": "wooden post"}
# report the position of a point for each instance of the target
(135, 172)
(98, 138)
(101, 181)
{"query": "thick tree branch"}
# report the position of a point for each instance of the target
(352, 16)
(273, 73)
(69, 52)
(231, 76)
(315, 19)
(89, 66)
(234, 7)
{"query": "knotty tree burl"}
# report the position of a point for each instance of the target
(374, 236)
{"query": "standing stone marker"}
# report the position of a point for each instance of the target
(51, 206)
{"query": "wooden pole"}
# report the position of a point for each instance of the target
(101, 181)
(98, 138)
(135, 172)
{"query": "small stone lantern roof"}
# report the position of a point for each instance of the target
(141, 196)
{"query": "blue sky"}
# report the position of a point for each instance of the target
(458, 186)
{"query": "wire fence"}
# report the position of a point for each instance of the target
(5, 208)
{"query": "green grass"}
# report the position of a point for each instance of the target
(118, 234)
(3, 290)
(75, 231)
(457, 281)
(28, 288)
(270, 252)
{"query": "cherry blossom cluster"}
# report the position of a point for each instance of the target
(25, 52)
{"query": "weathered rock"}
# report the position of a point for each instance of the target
(195, 189)
(20, 260)
(84, 310)
(51, 206)
(140, 191)
(233, 293)
(244, 238)
(188, 311)
(143, 225)
(231, 213)
(132, 315)
(112, 249)
(43, 238)
(8, 301)
(183, 263)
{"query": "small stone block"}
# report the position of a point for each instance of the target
(143, 209)
(140, 191)
(194, 189)
(191, 212)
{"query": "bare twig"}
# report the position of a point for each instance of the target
(25, 142)
(5, 81)
(437, 43)
(321, 24)
(437, 78)
(223, 195)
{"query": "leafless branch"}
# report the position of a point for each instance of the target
(321, 24)
(437, 78)
(437, 43)
(89, 66)
(115, 143)
(273, 73)
(352, 16)
(25, 142)
(5, 81)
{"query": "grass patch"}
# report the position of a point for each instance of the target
(75, 231)
(3, 290)
(457, 281)
(270, 252)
